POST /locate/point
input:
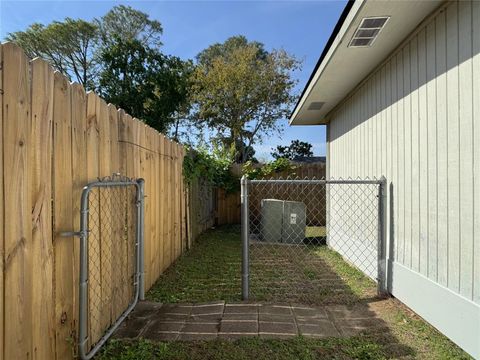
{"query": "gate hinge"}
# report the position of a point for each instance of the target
(71, 233)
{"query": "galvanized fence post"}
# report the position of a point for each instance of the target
(245, 220)
(83, 281)
(140, 237)
(381, 246)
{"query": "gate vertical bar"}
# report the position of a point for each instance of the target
(245, 231)
(140, 236)
(83, 281)
(381, 246)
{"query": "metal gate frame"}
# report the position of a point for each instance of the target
(139, 284)
(381, 238)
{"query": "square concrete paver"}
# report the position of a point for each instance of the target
(321, 328)
(241, 309)
(244, 317)
(175, 309)
(277, 328)
(208, 309)
(309, 312)
(208, 321)
(275, 310)
(239, 327)
(162, 326)
(276, 318)
(200, 328)
(131, 328)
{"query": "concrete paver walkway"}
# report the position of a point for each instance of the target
(163, 322)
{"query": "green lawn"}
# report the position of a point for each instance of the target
(315, 231)
(211, 271)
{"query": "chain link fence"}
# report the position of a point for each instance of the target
(111, 258)
(292, 230)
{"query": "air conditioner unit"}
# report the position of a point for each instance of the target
(282, 221)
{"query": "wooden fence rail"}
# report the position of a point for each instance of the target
(54, 139)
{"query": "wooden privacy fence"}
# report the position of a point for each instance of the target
(228, 204)
(55, 138)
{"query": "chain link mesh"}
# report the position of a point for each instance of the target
(112, 254)
(290, 224)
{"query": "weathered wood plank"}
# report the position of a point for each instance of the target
(106, 211)
(63, 185)
(79, 177)
(2, 207)
(161, 184)
(17, 200)
(43, 337)
(118, 217)
(94, 286)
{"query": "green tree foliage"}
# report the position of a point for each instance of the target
(129, 24)
(240, 91)
(145, 83)
(67, 45)
(75, 47)
(267, 169)
(213, 168)
(296, 148)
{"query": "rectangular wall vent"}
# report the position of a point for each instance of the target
(315, 105)
(368, 31)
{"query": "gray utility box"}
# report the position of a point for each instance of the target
(282, 221)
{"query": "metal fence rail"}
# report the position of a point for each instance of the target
(288, 224)
(111, 258)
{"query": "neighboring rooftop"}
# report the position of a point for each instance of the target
(310, 159)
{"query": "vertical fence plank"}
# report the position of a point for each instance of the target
(94, 288)
(62, 165)
(43, 339)
(165, 186)
(2, 207)
(154, 180)
(123, 144)
(118, 216)
(171, 245)
(183, 203)
(178, 197)
(79, 178)
(163, 209)
(105, 216)
(17, 224)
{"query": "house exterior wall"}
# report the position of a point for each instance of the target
(416, 120)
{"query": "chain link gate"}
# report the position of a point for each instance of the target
(111, 258)
(286, 224)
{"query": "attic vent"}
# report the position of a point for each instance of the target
(315, 105)
(368, 31)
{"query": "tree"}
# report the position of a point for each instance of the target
(296, 148)
(240, 91)
(145, 83)
(129, 24)
(75, 47)
(67, 45)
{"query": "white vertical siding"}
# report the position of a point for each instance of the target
(476, 148)
(416, 121)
